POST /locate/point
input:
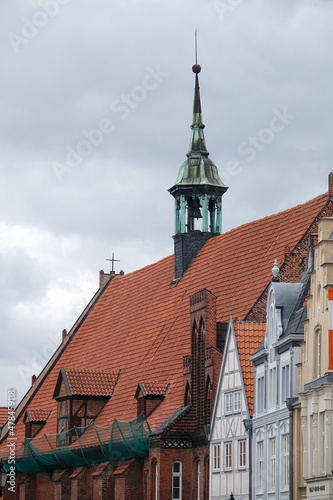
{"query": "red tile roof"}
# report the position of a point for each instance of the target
(141, 323)
(248, 337)
(86, 382)
(3, 415)
(124, 467)
(154, 388)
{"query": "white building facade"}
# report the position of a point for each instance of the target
(229, 440)
(275, 389)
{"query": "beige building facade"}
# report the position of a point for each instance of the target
(313, 433)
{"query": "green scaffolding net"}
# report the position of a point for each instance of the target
(81, 446)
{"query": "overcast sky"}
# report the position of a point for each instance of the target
(95, 109)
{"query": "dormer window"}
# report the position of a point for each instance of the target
(81, 394)
(149, 395)
(34, 420)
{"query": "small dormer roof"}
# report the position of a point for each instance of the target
(85, 382)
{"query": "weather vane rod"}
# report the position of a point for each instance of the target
(196, 46)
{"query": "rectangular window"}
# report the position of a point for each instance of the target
(177, 481)
(322, 450)
(242, 453)
(228, 456)
(232, 402)
(272, 462)
(285, 461)
(228, 402)
(216, 454)
(260, 461)
(285, 384)
(261, 394)
(272, 384)
(237, 401)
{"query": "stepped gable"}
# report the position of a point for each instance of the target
(248, 337)
(140, 325)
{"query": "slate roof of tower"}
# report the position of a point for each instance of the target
(140, 324)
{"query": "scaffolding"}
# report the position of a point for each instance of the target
(82, 446)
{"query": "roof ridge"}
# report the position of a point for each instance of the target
(316, 198)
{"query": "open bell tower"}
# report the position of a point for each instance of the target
(198, 194)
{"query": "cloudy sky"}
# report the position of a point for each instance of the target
(95, 109)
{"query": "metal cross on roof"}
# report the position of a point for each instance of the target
(113, 260)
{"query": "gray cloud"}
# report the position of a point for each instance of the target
(59, 84)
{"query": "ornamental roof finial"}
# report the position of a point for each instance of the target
(275, 271)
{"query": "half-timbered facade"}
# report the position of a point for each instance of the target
(122, 408)
(229, 440)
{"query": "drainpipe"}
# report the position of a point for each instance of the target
(248, 427)
(289, 403)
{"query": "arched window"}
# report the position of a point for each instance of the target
(154, 467)
(272, 324)
(177, 480)
(317, 352)
(198, 479)
(187, 395)
(206, 478)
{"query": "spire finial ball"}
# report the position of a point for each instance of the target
(196, 68)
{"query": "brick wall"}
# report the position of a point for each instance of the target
(189, 459)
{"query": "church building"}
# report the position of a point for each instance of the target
(122, 409)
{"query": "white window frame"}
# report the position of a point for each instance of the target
(285, 384)
(216, 457)
(285, 461)
(261, 393)
(260, 462)
(272, 463)
(232, 402)
(228, 456)
(176, 475)
(237, 401)
(228, 403)
(272, 388)
(242, 454)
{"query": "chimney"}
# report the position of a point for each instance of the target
(330, 184)
(64, 334)
(33, 379)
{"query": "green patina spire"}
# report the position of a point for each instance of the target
(197, 192)
(197, 142)
(198, 168)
